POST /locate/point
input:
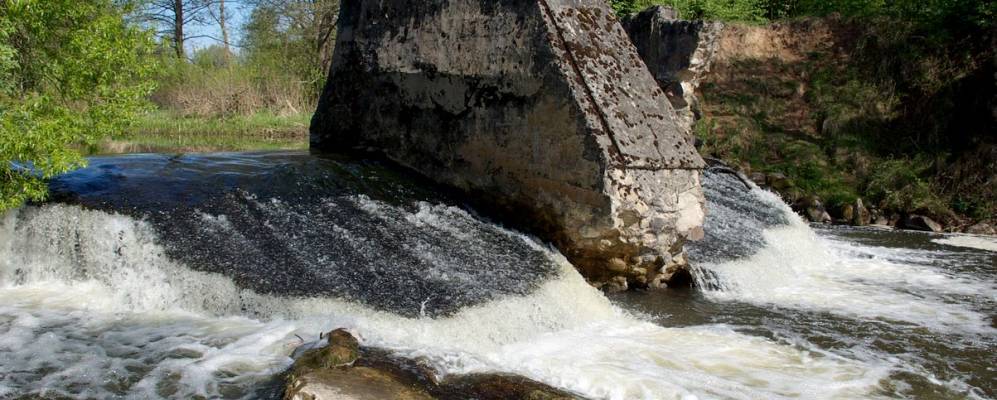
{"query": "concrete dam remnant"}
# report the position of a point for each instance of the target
(541, 109)
(679, 54)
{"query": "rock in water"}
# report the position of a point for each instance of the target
(861, 216)
(541, 109)
(812, 208)
(920, 223)
(678, 53)
(981, 228)
(374, 374)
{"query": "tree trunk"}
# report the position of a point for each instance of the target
(325, 35)
(224, 28)
(178, 28)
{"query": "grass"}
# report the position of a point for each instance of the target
(162, 131)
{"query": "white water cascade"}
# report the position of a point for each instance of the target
(792, 266)
(90, 295)
(175, 277)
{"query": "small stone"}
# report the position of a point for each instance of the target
(658, 224)
(617, 265)
(778, 181)
(680, 259)
(758, 178)
(658, 282)
(616, 284)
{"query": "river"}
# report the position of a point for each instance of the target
(183, 276)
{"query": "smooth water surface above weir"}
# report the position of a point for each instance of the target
(292, 224)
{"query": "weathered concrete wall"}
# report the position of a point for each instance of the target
(540, 107)
(677, 52)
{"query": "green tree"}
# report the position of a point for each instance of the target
(292, 36)
(71, 72)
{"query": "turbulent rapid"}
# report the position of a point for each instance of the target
(156, 276)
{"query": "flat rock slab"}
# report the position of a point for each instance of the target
(359, 383)
(375, 374)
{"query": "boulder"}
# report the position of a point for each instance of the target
(374, 374)
(540, 110)
(358, 383)
(778, 181)
(981, 228)
(812, 209)
(678, 53)
(328, 373)
(342, 349)
(916, 222)
(847, 213)
(894, 220)
(499, 387)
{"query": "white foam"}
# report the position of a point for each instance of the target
(799, 269)
(108, 301)
(988, 243)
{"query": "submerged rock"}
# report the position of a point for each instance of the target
(540, 109)
(371, 374)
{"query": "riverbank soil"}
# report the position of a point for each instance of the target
(845, 110)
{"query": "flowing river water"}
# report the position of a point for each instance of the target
(167, 276)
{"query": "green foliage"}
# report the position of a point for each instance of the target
(725, 10)
(292, 38)
(214, 56)
(281, 68)
(901, 185)
(71, 72)
(935, 17)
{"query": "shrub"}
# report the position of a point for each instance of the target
(207, 88)
(899, 185)
(71, 72)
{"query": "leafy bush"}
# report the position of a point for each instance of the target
(726, 10)
(71, 72)
(900, 185)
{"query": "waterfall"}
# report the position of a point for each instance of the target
(758, 251)
(198, 290)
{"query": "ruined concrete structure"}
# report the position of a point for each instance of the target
(541, 108)
(677, 52)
